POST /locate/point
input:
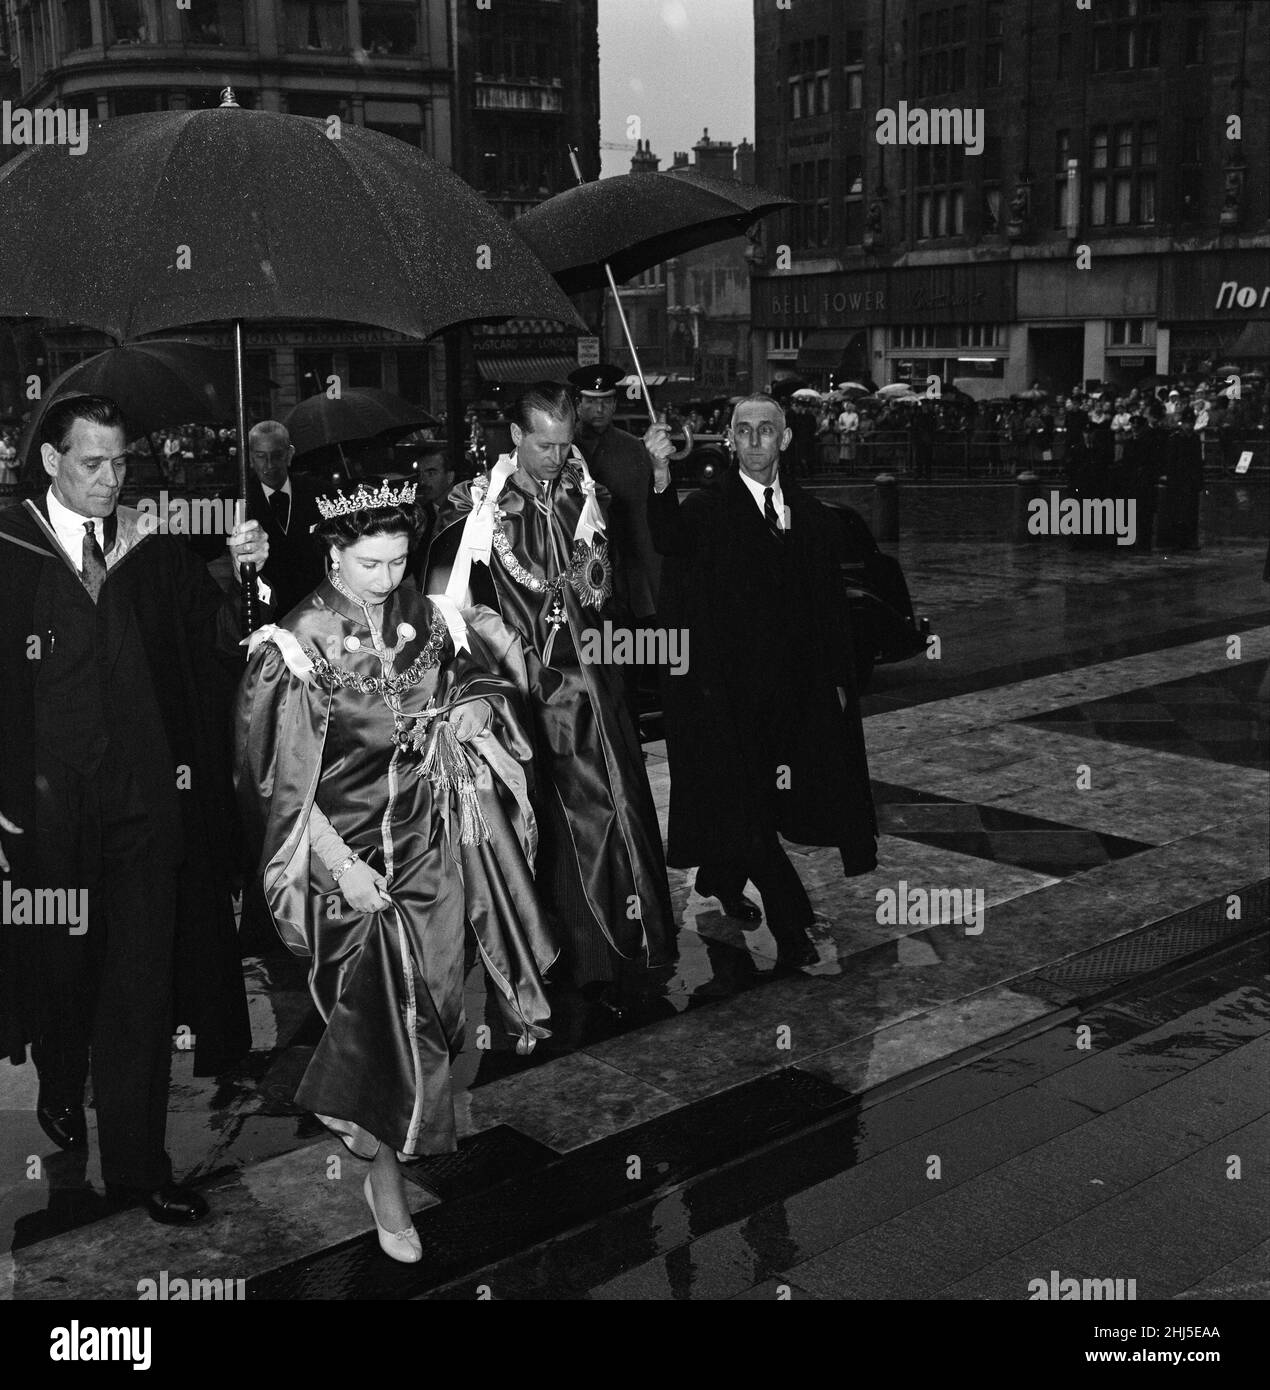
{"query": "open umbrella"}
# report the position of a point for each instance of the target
(358, 414)
(635, 221)
(807, 393)
(158, 385)
(852, 387)
(180, 217)
(611, 229)
(895, 390)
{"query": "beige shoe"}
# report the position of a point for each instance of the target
(398, 1245)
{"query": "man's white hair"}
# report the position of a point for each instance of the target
(758, 398)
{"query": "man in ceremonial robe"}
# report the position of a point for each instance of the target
(118, 656)
(529, 540)
(763, 731)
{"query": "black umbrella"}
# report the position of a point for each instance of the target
(355, 415)
(158, 385)
(611, 229)
(635, 221)
(182, 217)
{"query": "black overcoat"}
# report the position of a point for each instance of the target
(756, 736)
(174, 631)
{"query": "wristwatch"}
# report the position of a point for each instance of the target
(341, 869)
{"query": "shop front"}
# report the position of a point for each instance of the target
(898, 323)
(1216, 308)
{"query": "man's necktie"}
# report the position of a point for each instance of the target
(280, 504)
(769, 514)
(94, 562)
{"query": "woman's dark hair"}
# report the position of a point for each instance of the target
(346, 530)
(548, 397)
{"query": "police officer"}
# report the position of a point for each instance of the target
(623, 464)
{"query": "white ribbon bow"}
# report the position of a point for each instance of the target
(478, 533)
(592, 519)
(287, 644)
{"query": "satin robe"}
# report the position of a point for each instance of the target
(602, 869)
(389, 984)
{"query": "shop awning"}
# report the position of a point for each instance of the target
(526, 368)
(824, 349)
(1253, 341)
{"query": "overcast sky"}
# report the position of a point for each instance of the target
(680, 66)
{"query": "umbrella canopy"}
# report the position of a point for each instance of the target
(1034, 394)
(180, 217)
(807, 393)
(158, 385)
(636, 221)
(355, 415)
(894, 390)
(852, 388)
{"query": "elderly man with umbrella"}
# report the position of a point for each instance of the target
(118, 655)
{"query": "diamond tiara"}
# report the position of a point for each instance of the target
(365, 500)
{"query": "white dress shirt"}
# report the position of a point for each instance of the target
(778, 497)
(68, 527)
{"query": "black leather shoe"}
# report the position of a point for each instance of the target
(795, 949)
(64, 1124)
(739, 907)
(172, 1204)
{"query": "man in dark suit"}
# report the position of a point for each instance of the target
(763, 730)
(436, 478)
(286, 508)
(621, 463)
(118, 657)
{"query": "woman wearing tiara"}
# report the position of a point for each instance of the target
(383, 770)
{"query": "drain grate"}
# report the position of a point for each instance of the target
(1161, 944)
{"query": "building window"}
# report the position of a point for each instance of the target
(129, 21)
(316, 25)
(1063, 57)
(214, 22)
(1190, 182)
(401, 119)
(1193, 50)
(787, 340)
(940, 197)
(365, 369)
(130, 101)
(312, 370)
(1130, 333)
(1127, 35)
(993, 49)
(941, 51)
(1122, 185)
(854, 69)
(807, 69)
(389, 30)
(525, 48)
(320, 105)
(78, 22)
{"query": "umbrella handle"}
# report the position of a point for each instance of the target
(687, 448)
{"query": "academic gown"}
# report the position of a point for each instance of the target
(169, 635)
(757, 739)
(601, 836)
(389, 984)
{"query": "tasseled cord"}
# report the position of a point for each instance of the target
(448, 766)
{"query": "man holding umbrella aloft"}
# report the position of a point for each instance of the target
(622, 464)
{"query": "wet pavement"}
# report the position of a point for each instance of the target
(1087, 755)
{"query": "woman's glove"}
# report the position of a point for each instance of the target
(364, 890)
(470, 719)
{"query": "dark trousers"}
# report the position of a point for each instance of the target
(105, 997)
(767, 866)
